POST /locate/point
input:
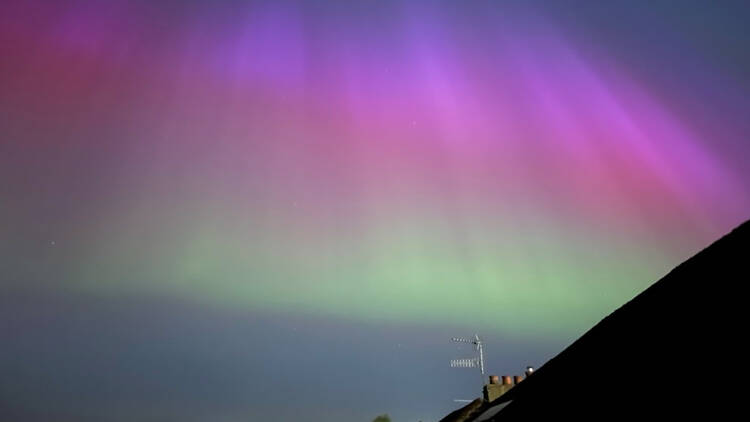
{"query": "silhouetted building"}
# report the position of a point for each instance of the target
(664, 354)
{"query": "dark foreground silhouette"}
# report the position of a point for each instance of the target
(678, 349)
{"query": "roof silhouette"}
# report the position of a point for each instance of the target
(676, 349)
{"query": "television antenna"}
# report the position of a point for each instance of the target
(473, 362)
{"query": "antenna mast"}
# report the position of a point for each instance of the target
(475, 362)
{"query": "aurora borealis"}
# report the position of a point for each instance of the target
(380, 170)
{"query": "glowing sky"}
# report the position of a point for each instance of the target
(515, 168)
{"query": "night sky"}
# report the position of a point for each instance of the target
(258, 211)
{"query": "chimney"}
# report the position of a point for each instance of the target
(494, 379)
(507, 380)
(517, 379)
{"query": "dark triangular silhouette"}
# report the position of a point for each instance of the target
(675, 350)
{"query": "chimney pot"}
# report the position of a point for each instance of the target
(517, 379)
(507, 380)
(494, 379)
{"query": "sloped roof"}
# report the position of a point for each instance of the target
(465, 413)
(676, 349)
